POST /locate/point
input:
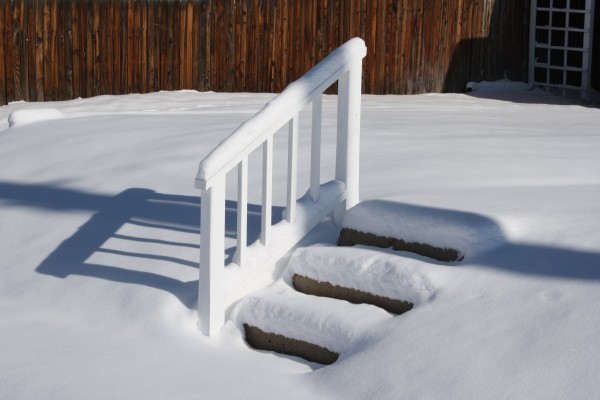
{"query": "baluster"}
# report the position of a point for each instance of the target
(267, 191)
(353, 129)
(242, 213)
(211, 294)
(315, 148)
(348, 137)
(341, 150)
(290, 214)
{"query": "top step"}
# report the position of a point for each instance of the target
(444, 235)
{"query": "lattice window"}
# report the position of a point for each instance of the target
(561, 46)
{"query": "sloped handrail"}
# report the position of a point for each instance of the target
(343, 65)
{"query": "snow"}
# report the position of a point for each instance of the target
(25, 116)
(99, 247)
(496, 86)
(467, 233)
(253, 132)
(367, 270)
(337, 326)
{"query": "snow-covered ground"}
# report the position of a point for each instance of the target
(99, 225)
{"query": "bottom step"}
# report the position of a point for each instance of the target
(262, 340)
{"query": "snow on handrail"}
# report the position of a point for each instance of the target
(215, 290)
(252, 133)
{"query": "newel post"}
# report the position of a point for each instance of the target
(211, 290)
(348, 137)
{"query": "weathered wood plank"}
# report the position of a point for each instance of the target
(168, 41)
(17, 48)
(3, 98)
(198, 55)
(60, 49)
(131, 53)
(176, 32)
(76, 48)
(189, 40)
(30, 44)
(150, 26)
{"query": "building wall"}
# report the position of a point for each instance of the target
(64, 49)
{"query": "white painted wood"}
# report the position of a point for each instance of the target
(258, 272)
(341, 153)
(344, 64)
(211, 291)
(242, 213)
(315, 148)
(292, 177)
(341, 150)
(252, 133)
(348, 139)
(353, 129)
(267, 192)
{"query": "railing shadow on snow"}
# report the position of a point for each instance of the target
(177, 213)
(143, 208)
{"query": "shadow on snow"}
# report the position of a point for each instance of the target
(145, 208)
(141, 208)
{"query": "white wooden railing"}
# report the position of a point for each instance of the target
(301, 215)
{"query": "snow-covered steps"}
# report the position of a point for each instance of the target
(269, 341)
(315, 328)
(325, 289)
(332, 317)
(352, 237)
(444, 235)
(385, 280)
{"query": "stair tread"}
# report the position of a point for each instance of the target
(334, 324)
(366, 269)
(463, 232)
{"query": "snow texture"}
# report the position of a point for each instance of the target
(365, 269)
(26, 116)
(464, 232)
(336, 325)
(99, 249)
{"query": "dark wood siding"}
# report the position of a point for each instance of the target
(63, 49)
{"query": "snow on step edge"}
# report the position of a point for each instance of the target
(334, 324)
(450, 229)
(367, 270)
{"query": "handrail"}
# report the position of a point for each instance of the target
(301, 215)
(297, 95)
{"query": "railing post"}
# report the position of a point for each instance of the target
(353, 126)
(211, 294)
(315, 148)
(348, 137)
(292, 178)
(267, 192)
(242, 213)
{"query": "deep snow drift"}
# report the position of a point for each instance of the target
(99, 224)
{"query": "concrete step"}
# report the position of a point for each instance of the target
(314, 287)
(361, 275)
(318, 329)
(444, 235)
(352, 237)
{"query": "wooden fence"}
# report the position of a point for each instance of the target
(64, 49)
